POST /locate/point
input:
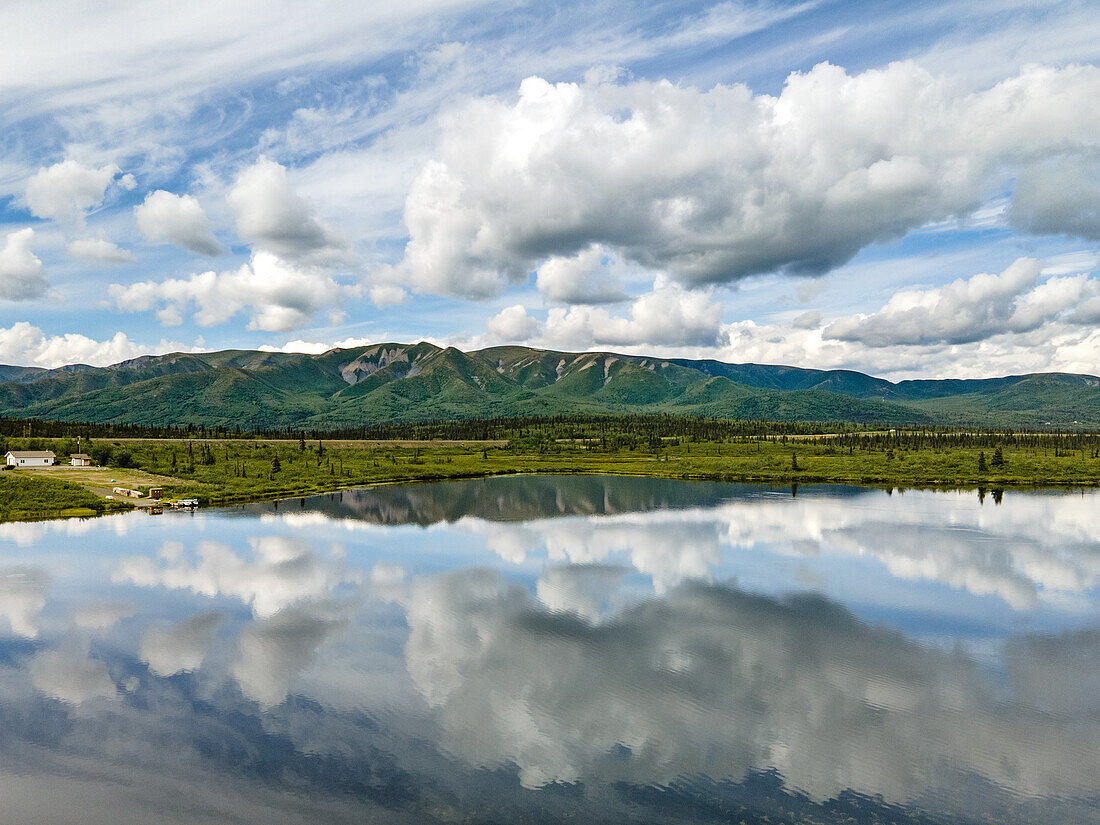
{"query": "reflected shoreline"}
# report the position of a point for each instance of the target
(794, 488)
(420, 502)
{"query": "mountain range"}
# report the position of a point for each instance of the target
(386, 383)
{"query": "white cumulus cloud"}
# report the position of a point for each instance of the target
(1030, 317)
(713, 186)
(177, 219)
(970, 309)
(579, 279)
(315, 347)
(279, 295)
(276, 649)
(23, 343)
(101, 251)
(273, 217)
(669, 315)
(67, 190)
(513, 324)
(21, 276)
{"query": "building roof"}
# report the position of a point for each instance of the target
(83, 456)
(31, 453)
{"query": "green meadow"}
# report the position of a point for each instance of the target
(227, 470)
(28, 494)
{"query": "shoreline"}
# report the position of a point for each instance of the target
(789, 480)
(232, 472)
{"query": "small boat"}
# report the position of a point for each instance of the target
(184, 503)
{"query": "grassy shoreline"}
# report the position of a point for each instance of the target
(27, 497)
(233, 472)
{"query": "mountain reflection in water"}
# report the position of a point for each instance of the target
(540, 649)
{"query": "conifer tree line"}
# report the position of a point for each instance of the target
(930, 439)
(597, 432)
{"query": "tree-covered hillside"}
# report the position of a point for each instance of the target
(388, 383)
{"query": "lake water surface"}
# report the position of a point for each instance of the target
(547, 649)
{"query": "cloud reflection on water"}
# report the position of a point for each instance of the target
(610, 645)
(181, 647)
(712, 680)
(1030, 549)
(22, 596)
(280, 571)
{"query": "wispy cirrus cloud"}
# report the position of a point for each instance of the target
(403, 146)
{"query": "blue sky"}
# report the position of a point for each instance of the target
(907, 189)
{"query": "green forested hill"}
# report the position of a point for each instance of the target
(399, 382)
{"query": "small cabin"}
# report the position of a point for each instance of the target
(80, 460)
(30, 458)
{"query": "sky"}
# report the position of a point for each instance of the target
(906, 189)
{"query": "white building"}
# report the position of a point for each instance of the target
(30, 458)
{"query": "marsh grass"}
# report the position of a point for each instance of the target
(224, 471)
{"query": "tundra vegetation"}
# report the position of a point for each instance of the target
(26, 496)
(217, 467)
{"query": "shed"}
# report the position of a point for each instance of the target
(30, 458)
(80, 460)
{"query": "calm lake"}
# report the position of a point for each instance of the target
(547, 649)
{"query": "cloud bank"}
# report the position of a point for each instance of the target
(975, 308)
(713, 186)
(24, 343)
(277, 294)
